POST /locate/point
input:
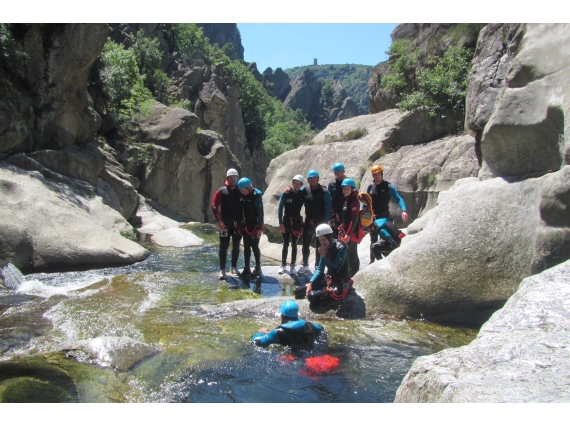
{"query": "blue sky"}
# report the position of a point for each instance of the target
(291, 45)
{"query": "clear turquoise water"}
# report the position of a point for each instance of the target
(52, 328)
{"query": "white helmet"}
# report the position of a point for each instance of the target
(324, 229)
(299, 178)
(231, 172)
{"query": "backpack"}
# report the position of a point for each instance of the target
(366, 212)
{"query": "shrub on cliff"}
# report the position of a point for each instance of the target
(443, 86)
(438, 82)
(123, 83)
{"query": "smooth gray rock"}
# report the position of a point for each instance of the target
(496, 47)
(467, 259)
(176, 237)
(519, 356)
(527, 134)
(155, 218)
(48, 225)
(420, 172)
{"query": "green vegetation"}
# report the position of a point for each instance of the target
(354, 79)
(123, 83)
(443, 86)
(132, 79)
(189, 42)
(426, 79)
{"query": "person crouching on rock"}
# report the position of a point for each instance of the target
(293, 332)
(335, 283)
(252, 206)
(291, 224)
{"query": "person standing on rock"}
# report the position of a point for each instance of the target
(228, 211)
(382, 192)
(351, 231)
(296, 333)
(335, 190)
(317, 211)
(291, 224)
(252, 206)
(331, 279)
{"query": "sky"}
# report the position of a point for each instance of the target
(292, 45)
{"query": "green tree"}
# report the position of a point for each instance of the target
(441, 85)
(189, 42)
(255, 104)
(403, 64)
(123, 84)
(149, 57)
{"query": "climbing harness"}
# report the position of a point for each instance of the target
(333, 291)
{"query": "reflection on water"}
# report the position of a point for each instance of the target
(132, 334)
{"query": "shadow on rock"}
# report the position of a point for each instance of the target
(351, 307)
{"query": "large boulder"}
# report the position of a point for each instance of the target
(57, 223)
(56, 109)
(89, 162)
(182, 166)
(419, 172)
(519, 356)
(462, 260)
(526, 134)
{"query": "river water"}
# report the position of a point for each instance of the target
(139, 334)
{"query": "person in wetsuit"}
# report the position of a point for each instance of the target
(252, 205)
(331, 279)
(228, 211)
(293, 332)
(335, 190)
(291, 223)
(317, 211)
(381, 192)
(351, 231)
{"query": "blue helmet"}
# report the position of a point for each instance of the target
(290, 309)
(338, 167)
(348, 182)
(313, 173)
(243, 183)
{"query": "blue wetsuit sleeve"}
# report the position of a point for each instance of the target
(392, 191)
(319, 271)
(281, 204)
(264, 340)
(328, 204)
(259, 205)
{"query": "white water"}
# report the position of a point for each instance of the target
(15, 281)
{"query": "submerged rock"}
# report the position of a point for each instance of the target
(120, 353)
